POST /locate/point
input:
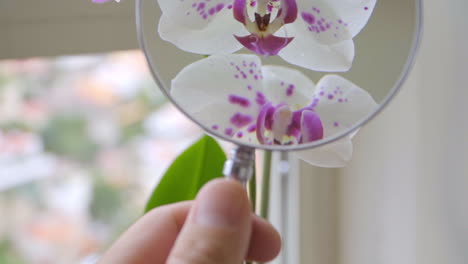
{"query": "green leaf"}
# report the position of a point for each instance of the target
(199, 164)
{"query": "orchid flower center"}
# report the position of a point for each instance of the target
(261, 39)
(280, 125)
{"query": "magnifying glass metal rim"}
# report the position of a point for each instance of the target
(417, 36)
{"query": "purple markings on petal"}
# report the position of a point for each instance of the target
(252, 128)
(294, 129)
(315, 102)
(290, 11)
(241, 120)
(245, 70)
(318, 24)
(290, 90)
(240, 10)
(331, 96)
(215, 127)
(239, 100)
(311, 127)
(240, 134)
(309, 18)
(205, 9)
(265, 46)
(260, 98)
(229, 132)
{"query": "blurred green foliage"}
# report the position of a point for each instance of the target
(67, 135)
(8, 255)
(106, 201)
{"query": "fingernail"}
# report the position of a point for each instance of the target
(220, 205)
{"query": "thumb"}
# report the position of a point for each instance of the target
(218, 227)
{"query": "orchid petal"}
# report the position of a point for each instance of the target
(228, 120)
(323, 33)
(203, 27)
(341, 104)
(334, 155)
(305, 52)
(216, 78)
(332, 21)
(284, 85)
(351, 15)
(221, 91)
(319, 25)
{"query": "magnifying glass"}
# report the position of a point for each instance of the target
(280, 75)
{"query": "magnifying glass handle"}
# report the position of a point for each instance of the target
(240, 164)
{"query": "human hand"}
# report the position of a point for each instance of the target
(217, 228)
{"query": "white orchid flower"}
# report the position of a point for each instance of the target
(314, 34)
(237, 96)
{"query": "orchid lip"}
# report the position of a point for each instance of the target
(280, 126)
(265, 46)
(261, 40)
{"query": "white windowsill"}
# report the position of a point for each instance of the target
(53, 27)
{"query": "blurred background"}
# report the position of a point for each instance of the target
(83, 139)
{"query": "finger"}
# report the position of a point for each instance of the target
(265, 241)
(218, 227)
(151, 238)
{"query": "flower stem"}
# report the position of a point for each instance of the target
(265, 195)
(265, 200)
(253, 189)
(253, 194)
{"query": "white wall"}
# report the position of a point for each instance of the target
(404, 197)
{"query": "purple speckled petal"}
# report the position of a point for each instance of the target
(353, 15)
(200, 26)
(332, 21)
(323, 33)
(222, 92)
(341, 104)
(266, 46)
(287, 85)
